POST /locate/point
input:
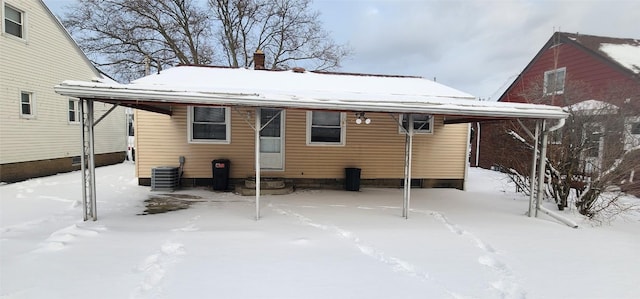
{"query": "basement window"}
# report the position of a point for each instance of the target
(209, 124)
(554, 81)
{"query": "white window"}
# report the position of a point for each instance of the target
(554, 81)
(74, 111)
(209, 124)
(13, 21)
(422, 123)
(326, 128)
(592, 138)
(556, 137)
(27, 104)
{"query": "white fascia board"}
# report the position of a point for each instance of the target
(460, 108)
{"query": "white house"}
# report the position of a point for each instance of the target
(39, 129)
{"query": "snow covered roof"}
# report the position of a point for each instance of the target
(626, 55)
(201, 85)
(622, 51)
(593, 105)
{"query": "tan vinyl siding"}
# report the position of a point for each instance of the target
(46, 57)
(377, 148)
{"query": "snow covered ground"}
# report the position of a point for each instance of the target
(310, 244)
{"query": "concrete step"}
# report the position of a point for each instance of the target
(265, 183)
(244, 191)
(268, 186)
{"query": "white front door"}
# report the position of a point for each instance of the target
(272, 139)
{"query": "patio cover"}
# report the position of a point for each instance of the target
(293, 89)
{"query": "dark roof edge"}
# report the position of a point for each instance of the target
(558, 37)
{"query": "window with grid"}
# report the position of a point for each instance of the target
(74, 111)
(13, 21)
(554, 81)
(422, 123)
(325, 128)
(209, 125)
(26, 104)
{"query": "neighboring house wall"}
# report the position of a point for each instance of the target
(604, 79)
(376, 148)
(597, 74)
(46, 141)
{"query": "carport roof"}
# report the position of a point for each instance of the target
(299, 89)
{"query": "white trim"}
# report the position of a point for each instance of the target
(282, 143)
(125, 93)
(467, 161)
(24, 23)
(77, 112)
(343, 131)
(593, 161)
(32, 105)
(415, 131)
(556, 137)
(227, 119)
(562, 70)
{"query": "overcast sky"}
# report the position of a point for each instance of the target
(477, 46)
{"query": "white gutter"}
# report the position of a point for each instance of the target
(472, 108)
(560, 124)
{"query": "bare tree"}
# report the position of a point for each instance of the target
(128, 36)
(593, 158)
(287, 31)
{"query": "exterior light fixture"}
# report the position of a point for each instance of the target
(361, 118)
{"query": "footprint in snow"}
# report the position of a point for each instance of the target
(59, 239)
(154, 268)
(190, 227)
(396, 264)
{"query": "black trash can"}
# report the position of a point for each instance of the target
(220, 169)
(352, 179)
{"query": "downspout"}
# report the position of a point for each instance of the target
(478, 145)
(467, 155)
(541, 165)
(560, 124)
(258, 128)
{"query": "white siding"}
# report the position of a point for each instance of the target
(44, 58)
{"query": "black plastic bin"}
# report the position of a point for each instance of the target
(352, 179)
(220, 169)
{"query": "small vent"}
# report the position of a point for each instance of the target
(164, 178)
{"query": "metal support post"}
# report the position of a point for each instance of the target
(258, 128)
(87, 160)
(542, 165)
(407, 167)
(532, 177)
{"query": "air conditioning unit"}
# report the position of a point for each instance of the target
(164, 178)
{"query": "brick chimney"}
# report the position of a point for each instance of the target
(258, 60)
